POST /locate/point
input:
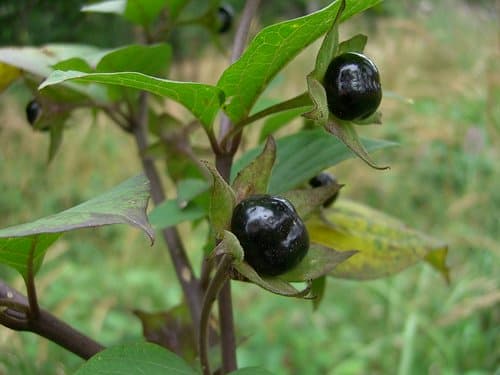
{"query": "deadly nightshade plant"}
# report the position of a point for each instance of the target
(290, 242)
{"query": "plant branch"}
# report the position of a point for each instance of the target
(17, 316)
(223, 163)
(219, 280)
(298, 101)
(189, 283)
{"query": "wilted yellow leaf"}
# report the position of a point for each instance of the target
(385, 244)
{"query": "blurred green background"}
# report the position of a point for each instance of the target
(439, 64)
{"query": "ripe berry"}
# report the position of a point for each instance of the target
(352, 85)
(224, 18)
(33, 111)
(325, 179)
(273, 236)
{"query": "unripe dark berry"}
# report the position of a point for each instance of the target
(325, 179)
(352, 85)
(224, 18)
(273, 236)
(33, 111)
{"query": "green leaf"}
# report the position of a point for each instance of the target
(135, 359)
(190, 188)
(125, 204)
(153, 60)
(171, 329)
(302, 156)
(375, 118)
(320, 112)
(346, 132)
(175, 7)
(143, 12)
(318, 287)
(39, 60)
(73, 63)
(231, 246)
(386, 245)
(222, 202)
(319, 261)
(272, 284)
(251, 371)
(169, 213)
(317, 93)
(56, 135)
(279, 120)
(202, 100)
(110, 6)
(307, 201)
(254, 178)
(328, 47)
(271, 49)
(355, 44)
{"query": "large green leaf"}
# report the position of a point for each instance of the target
(190, 188)
(135, 359)
(279, 120)
(385, 244)
(153, 60)
(271, 49)
(126, 204)
(303, 155)
(143, 12)
(202, 100)
(170, 213)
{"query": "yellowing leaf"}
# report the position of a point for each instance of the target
(8, 74)
(385, 244)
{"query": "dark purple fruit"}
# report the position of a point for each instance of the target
(224, 18)
(325, 179)
(352, 85)
(33, 111)
(273, 236)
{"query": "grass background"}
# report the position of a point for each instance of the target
(444, 180)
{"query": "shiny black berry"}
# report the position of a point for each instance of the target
(273, 236)
(33, 111)
(325, 179)
(352, 85)
(224, 18)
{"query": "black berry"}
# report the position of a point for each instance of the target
(33, 111)
(224, 18)
(273, 236)
(325, 179)
(352, 85)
